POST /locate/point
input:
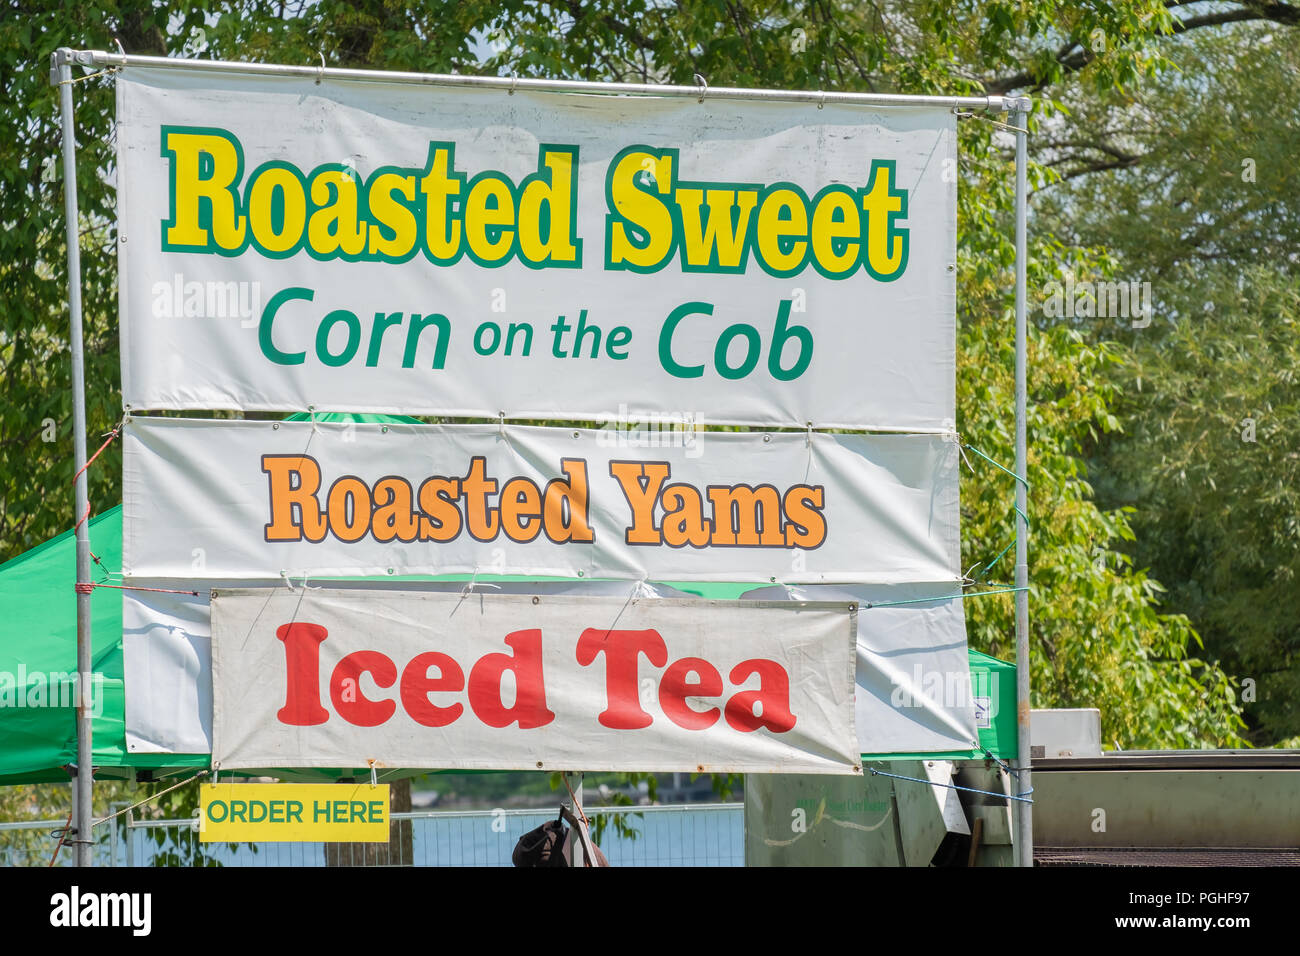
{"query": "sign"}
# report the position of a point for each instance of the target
(287, 244)
(342, 678)
(279, 812)
(913, 694)
(261, 499)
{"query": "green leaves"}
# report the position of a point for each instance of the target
(1210, 403)
(1099, 638)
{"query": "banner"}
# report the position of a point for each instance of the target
(914, 690)
(369, 247)
(220, 499)
(280, 812)
(342, 678)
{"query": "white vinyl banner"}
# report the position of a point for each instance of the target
(287, 244)
(350, 678)
(913, 691)
(258, 500)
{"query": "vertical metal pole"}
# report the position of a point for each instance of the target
(1024, 820)
(84, 815)
(129, 832)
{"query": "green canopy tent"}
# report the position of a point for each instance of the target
(38, 643)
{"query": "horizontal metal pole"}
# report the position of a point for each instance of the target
(102, 58)
(32, 825)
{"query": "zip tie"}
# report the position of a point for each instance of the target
(514, 81)
(1022, 797)
(321, 72)
(998, 466)
(945, 597)
(703, 84)
(374, 782)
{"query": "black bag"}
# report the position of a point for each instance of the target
(548, 845)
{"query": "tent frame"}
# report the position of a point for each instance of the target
(62, 62)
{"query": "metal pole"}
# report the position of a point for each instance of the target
(82, 801)
(702, 92)
(1024, 819)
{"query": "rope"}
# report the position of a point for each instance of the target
(565, 778)
(88, 587)
(577, 807)
(1022, 515)
(63, 835)
(997, 465)
(1022, 797)
(117, 430)
(945, 597)
(989, 567)
(999, 124)
(1006, 767)
(152, 798)
(90, 76)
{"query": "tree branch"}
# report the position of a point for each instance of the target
(1071, 58)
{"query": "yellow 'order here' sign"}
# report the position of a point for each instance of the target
(269, 812)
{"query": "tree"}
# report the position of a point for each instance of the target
(1098, 636)
(1211, 405)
